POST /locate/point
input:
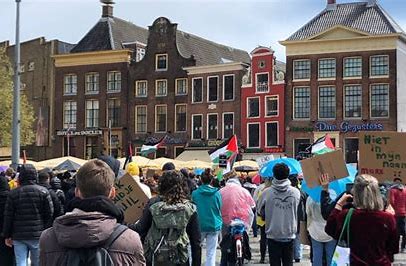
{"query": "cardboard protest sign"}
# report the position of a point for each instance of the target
(331, 163)
(382, 155)
(264, 159)
(130, 198)
(152, 172)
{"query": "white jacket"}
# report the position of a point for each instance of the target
(315, 222)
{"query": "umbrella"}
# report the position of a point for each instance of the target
(67, 165)
(246, 163)
(245, 169)
(52, 163)
(256, 179)
(335, 188)
(294, 166)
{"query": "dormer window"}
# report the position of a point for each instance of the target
(262, 82)
(161, 62)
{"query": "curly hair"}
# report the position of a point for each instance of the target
(172, 187)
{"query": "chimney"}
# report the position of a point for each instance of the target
(107, 8)
(371, 3)
(331, 5)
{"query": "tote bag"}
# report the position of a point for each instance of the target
(341, 255)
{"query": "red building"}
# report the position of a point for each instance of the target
(263, 104)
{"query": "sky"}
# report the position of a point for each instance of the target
(242, 24)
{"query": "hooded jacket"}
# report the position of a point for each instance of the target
(58, 207)
(397, 196)
(28, 210)
(88, 229)
(208, 203)
(279, 204)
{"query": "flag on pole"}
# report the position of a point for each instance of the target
(227, 149)
(129, 158)
(323, 145)
(24, 157)
(151, 147)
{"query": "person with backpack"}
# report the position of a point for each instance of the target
(169, 225)
(43, 181)
(92, 233)
(56, 186)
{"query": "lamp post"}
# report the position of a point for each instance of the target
(15, 152)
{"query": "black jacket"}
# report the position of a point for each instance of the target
(28, 212)
(192, 229)
(58, 207)
(4, 190)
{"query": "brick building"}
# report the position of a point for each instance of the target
(37, 79)
(343, 76)
(262, 105)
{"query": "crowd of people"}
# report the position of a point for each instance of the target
(71, 218)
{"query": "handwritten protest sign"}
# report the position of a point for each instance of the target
(382, 155)
(130, 198)
(264, 159)
(331, 163)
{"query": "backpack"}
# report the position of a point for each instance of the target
(167, 241)
(96, 256)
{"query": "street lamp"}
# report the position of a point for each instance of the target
(15, 152)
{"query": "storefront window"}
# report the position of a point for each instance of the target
(91, 148)
(302, 148)
(351, 150)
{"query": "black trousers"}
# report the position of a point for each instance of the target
(280, 253)
(262, 242)
(6, 254)
(401, 225)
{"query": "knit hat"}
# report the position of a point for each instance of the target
(28, 173)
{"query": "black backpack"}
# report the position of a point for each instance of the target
(96, 256)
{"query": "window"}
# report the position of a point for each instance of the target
(351, 150)
(113, 112)
(228, 125)
(272, 134)
(178, 151)
(262, 82)
(253, 135)
(69, 146)
(301, 102)
(228, 88)
(353, 101)
(197, 129)
(92, 83)
(197, 90)
(352, 67)
(180, 116)
(302, 148)
(161, 87)
(327, 102)
(212, 89)
(160, 118)
(327, 68)
(379, 65)
(161, 62)
(91, 148)
(301, 69)
(161, 152)
(92, 113)
(69, 114)
(253, 107)
(271, 103)
(114, 81)
(379, 100)
(212, 126)
(140, 54)
(141, 119)
(141, 88)
(181, 86)
(70, 84)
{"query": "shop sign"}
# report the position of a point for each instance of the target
(274, 150)
(94, 132)
(348, 127)
(301, 129)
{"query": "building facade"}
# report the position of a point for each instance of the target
(343, 77)
(263, 105)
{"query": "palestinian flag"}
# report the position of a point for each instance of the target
(323, 145)
(151, 147)
(228, 148)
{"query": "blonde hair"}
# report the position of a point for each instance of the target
(366, 193)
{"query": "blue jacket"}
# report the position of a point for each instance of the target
(208, 202)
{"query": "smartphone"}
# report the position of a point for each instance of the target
(348, 187)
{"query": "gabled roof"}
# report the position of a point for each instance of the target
(373, 20)
(110, 33)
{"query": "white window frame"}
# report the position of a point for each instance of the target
(344, 102)
(146, 88)
(370, 102)
(318, 102)
(293, 67)
(156, 62)
(73, 92)
(176, 86)
(293, 104)
(136, 119)
(115, 82)
(193, 89)
(318, 69)
(207, 125)
(259, 135)
(166, 119)
(86, 118)
(256, 83)
(180, 104)
(370, 66)
(193, 137)
(224, 88)
(222, 129)
(208, 91)
(248, 107)
(86, 83)
(354, 77)
(266, 105)
(64, 109)
(156, 88)
(266, 134)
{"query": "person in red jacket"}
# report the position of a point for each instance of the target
(373, 236)
(397, 197)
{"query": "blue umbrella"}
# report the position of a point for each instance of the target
(294, 167)
(335, 188)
